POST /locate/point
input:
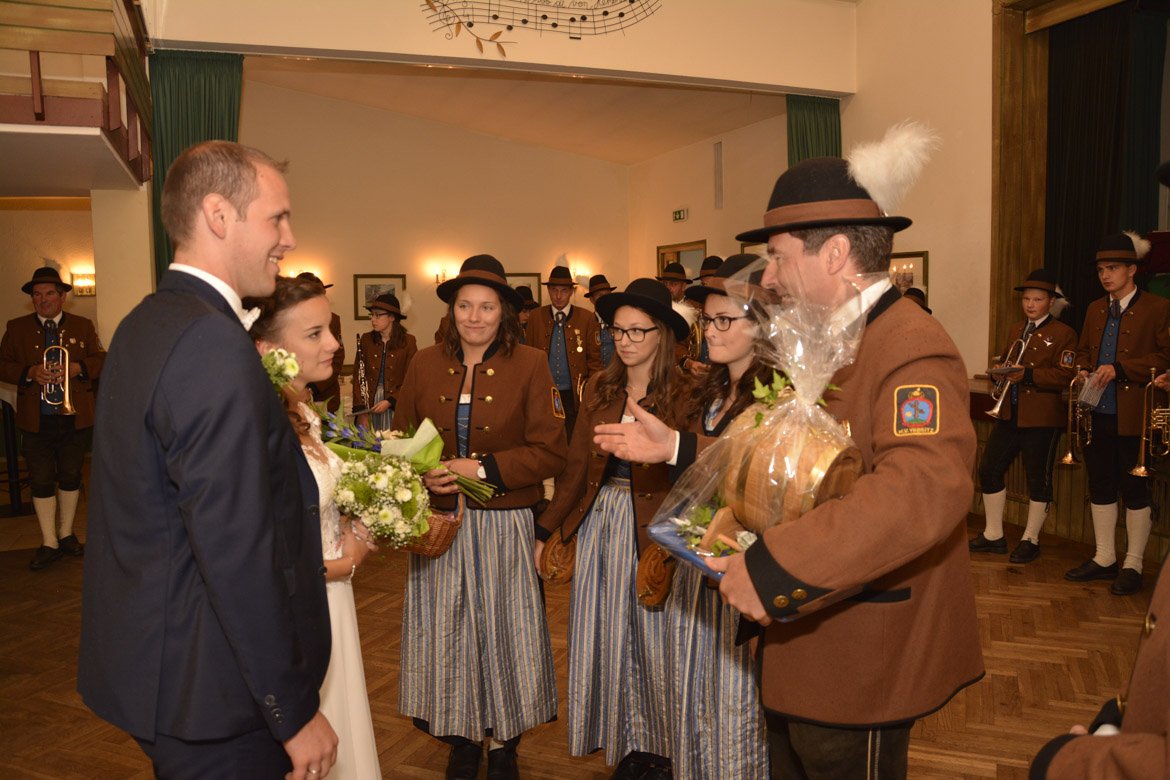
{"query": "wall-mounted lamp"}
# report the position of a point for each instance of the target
(84, 285)
(440, 277)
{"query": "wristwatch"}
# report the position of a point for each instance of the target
(481, 472)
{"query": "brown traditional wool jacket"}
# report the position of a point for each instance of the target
(23, 346)
(1142, 343)
(1048, 362)
(1142, 749)
(517, 425)
(582, 341)
(578, 484)
(880, 579)
(370, 358)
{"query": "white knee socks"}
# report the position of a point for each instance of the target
(1037, 514)
(1104, 532)
(1137, 531)
(993, 504)
(46, 509)
(67, 500)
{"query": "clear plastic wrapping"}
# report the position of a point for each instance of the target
(785, 453)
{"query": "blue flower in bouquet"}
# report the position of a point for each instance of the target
(386, 495)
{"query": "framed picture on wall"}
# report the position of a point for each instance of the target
(754, 249)
(690, 254)
(909, 269)
(533, 283)
(367, 287)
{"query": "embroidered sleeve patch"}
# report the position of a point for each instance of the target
(558, 406)
(916, 410)
(1068, 359)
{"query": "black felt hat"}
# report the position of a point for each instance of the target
(1039, 279)
(710, 266)
(919, 297)
(1123, 247)
(819, 193)
(673, 272)
(45, 275)
(598, 283)
(388, 303)
(716, 284)
(652, 297)
(561, 276)
(309, 276)
(525, 292)
(485, 270)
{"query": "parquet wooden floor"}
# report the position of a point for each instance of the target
(1054, 651)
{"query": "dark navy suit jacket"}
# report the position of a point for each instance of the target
(204, 612)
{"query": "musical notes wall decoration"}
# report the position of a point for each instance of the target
(486, 22)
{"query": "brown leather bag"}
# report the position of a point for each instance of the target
(655, 575)
(557, 559)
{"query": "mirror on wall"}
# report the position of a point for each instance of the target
(690, 254)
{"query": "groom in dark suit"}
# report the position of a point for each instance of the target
(205, 630)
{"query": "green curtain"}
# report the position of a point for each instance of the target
(1143, 125)
(196, 98)
(814, 128)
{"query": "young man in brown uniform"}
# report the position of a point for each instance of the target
(879, 579)
(1126, 334)
(1030, 419)
(1130, 737)
(570, 337)
(54, 440)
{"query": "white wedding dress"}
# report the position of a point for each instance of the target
(344, 700)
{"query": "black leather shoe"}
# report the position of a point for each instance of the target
(43, 557)
(1025, 552)
(70, 546)
(464, 761)
(982, 544)
(1128, 582)
(632, 767)
(1091, 570)
(502, 764)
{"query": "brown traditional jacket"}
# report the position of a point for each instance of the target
(880, 579)
(394, 372)
(578, 484)
(515, 430)
(582, 341)
(1142, 343)
(1048, 362)
(23, 346)
(1142, 749)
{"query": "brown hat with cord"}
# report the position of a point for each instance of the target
(388, 303)
(1040, 279)
(485, 270)
(46, 275)
(716, 284)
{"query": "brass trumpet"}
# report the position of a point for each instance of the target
(1155, 429)
(999, 391)
(1080, 422)
(60, 358)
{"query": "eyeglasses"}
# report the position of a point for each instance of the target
(377, 313)
(635, 335)
(721, 322)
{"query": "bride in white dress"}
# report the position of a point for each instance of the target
(296, 318)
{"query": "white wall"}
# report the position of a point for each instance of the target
(783, 43)
(376, 192)
(931, 61)
(753, 157)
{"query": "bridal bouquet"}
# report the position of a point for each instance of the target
(385, 494)
(422, 448)
(281, 367)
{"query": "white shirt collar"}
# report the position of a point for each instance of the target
(56, 320)
(220, 286)
(869, 296)
(565, 311)
(1124, 302)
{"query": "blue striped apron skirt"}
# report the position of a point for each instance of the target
(475, 645)
(617, 652)
(717, 725)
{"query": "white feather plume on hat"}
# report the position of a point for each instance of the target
(405, 302)
(686, 311)
(888, 168)
(1141, 247)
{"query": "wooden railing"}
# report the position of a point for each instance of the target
(109, 29)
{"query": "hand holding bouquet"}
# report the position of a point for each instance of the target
(385, 494)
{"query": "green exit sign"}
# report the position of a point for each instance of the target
(679, 216)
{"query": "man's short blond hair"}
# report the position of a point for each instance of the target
(222, 167)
